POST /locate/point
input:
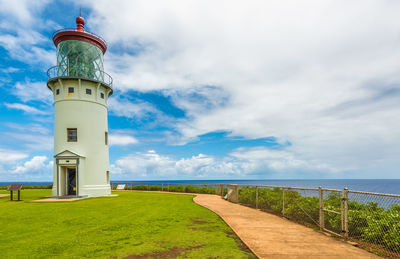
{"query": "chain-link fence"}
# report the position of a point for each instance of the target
(332, 211)
(370, 219)
(374, 221)
(302, 205)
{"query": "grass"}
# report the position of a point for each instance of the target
(153, 225)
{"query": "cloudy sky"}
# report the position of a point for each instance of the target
(216, 89)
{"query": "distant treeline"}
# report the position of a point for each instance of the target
(187, 188)
(4, 187)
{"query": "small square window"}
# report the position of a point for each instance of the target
(88, 91)
(57, 91)
(102, 95)
(70, 89)
(72, 135)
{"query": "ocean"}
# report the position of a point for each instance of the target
(391, 186)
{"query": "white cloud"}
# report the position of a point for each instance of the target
(11, 156)
(24, 107)
(139, 111)
(258, 162)
(31, 127)
(32, 142)
(22, 10)
(10, 70)
(122, 140)
(37, 165)
(24, 46)
(135, 110)
(20, 34)
(32, 91)
(321, 75)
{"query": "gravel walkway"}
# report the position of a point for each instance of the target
(270, 236)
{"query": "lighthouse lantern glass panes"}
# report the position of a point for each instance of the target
(80, 59)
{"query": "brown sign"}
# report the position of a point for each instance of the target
(15, 187)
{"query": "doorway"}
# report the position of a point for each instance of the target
(71, 181)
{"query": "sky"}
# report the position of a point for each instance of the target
(215, 89)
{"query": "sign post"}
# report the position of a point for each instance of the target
(15, 187)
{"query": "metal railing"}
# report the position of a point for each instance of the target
(98, 75)
(370, 219)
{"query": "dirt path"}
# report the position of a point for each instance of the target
(270, 236)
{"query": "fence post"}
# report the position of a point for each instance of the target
(218, 189)
(283, 202)
(162, 187)
(321, 209)
(341, 213)
(256, 197)
(222, 186)
(168, 187)
(346, 212)
(234, 196)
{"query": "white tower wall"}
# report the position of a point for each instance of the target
(88, 114)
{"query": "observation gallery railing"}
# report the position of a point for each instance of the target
(66, 72)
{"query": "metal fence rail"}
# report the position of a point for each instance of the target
(374, 221)
(370, 219)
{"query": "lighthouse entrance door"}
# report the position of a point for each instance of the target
(71, 181)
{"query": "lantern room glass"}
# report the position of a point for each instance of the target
(80, 59)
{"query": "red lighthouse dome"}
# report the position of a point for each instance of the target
(79, 34)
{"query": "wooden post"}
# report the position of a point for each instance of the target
(11, 195)
(236, 193)
(168, 187)
(346, 212)
(321, 209)
(341, 213)
(256, 197)
(162, 187)
(19, 195)
(283, 202)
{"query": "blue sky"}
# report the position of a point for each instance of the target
(215, 90)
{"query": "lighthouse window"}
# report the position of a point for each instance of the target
(106, 137)
(72, 135)
(88, 91)
(57, 91)
(102, 95)
(70, 89)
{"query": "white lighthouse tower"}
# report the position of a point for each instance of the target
(81, 89)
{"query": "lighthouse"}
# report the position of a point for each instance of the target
(81, 90)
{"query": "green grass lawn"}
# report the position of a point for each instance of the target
(155, 225)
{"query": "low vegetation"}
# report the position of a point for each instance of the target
(133, 225)
(171, 188)
(5, 187)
